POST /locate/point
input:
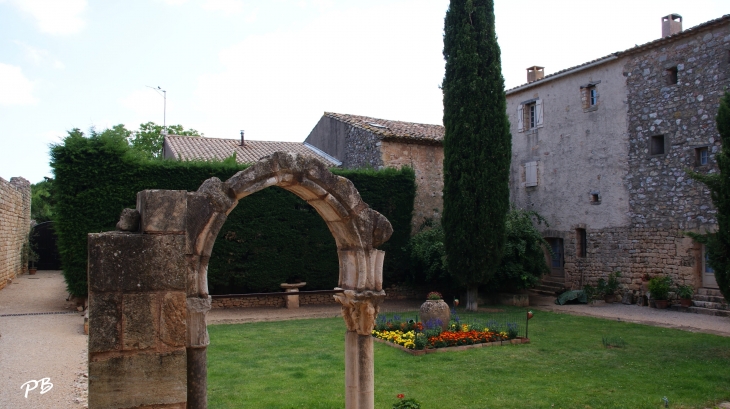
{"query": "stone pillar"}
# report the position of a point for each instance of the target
(359, 310)
(137, 315)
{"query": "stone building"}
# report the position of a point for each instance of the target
(361, 142)
(602, 151)
(14, 226)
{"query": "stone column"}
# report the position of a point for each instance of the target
(359, 310)
(292, 301)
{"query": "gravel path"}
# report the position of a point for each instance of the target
(643, 315)
(33, 347)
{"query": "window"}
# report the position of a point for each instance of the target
(589, 96)
(706, 261)
(595, 197)
(529, 115)
(582, 242)
(702, 156)
(656, 145)
(671, 75)
(530, 174)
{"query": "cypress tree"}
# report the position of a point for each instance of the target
(718, 243)
(477, 146)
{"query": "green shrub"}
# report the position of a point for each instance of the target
(659, 287)
(271, 237)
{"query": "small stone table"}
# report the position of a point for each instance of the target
(292, 301)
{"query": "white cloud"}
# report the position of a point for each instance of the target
(15, 88)
(38, 56)
(174, 2)
(226, 6)
(55, 16)
(359, 61)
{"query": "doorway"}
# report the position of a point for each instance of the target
(556, 260)
(708, 274)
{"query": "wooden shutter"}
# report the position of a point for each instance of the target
(538, 113)
(520, 118)
(530, 174)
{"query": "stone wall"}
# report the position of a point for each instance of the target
(392, 293)
(362, 149)
(661, 194)
(14, 226)
(638, 253)
(427, 162)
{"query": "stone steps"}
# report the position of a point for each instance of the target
(707, 301)
(549, 287)
(709, 291)
(710, 305)
(709, 311)
(709, 298)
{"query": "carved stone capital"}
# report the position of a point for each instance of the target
(360, 309)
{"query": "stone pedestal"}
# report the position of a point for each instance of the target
(292, 301)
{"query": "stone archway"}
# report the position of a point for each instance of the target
(148, 291)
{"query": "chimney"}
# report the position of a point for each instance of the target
(671, 24)
(243, 141)
(535, 73)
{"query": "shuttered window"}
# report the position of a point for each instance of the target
(529, 115)
(530, 174)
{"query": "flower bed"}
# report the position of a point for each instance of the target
(418, 339)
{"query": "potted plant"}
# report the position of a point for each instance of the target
(610, 287)
(685, 293)
(659, 289)
(33, 258)
(435, 311)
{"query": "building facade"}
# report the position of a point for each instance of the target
(602, 151)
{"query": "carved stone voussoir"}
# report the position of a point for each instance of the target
(360, 309)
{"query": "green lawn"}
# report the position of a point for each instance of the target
(300, 364)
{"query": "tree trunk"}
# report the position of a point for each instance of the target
(472, 293)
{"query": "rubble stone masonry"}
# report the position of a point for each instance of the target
(14, 226)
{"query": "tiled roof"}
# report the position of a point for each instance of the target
(197, 148)
(632, 50)
(388, 129)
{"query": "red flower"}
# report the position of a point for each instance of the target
(401, 396)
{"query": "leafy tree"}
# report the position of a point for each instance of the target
(41, 201)
(149, 138)
(428, 259)
(477, 146)
(523, 262)
(718, 243)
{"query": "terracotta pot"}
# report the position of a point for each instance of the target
(661, 304)
(32, 270)
(433, 310)
(685, 302)
(609, 298)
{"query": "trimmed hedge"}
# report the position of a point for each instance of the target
(271, 237)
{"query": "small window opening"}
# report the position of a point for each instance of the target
(672, 76)
(594, 198)
(702, 156)
(593, 96)
(657, 145)
(706, 261)
(530, 113)
(582, 242)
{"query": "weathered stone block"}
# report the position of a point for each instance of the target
(136, 262)
(129, 220)
(162, 210)
(139, 315)
(197, 331)
(138, 380)
(173, 319)
(105, 316)
(203, 224)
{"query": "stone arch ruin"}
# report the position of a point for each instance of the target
(148, 292)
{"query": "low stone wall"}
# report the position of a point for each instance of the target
(14, 226)
(392, 293)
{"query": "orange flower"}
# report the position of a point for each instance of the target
(401, 396)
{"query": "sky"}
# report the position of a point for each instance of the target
(270, 67)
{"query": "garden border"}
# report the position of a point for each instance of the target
(418, 352)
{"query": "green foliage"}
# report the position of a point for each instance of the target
(149, 138)
(659, 287)
(477, 145)
(611, 286)
(685, 291)
(718, 243)
(428, 259)
(521, 266)
(269, 238)
(42, 201)
(523, 262)
(409, 403)
(613, 342)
